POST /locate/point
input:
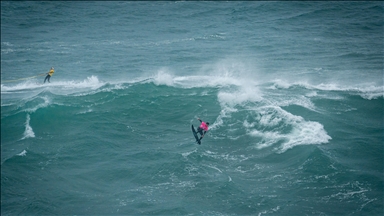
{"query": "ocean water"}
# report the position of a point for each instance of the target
(293, 92)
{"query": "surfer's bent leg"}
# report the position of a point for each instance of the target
(200, 131)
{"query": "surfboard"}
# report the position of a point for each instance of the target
(195, 134)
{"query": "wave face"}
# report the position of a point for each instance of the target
(293, 93)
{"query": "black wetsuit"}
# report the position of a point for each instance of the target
(201, 131)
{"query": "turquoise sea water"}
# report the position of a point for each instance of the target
(293, 92)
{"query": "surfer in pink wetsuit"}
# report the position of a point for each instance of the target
(203, 128)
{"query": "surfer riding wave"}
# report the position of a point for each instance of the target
(203, 128)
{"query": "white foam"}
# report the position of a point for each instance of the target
(227, 157)
(224, 113)
(225, 73)
(246, 93)
(269, 138)
(365, 90)
(163, 77)
(280, 84)
(373, 92)
(186, 154)
(47, 101)
(90, 82)
(7, 43)
(23, 153)
(269, 117)
(301, 132)
(27, 85)
(311, 94)
(213, 167)
(85, 111)
(306, 133)
(28, 133)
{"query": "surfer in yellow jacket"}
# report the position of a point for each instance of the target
(49, 74)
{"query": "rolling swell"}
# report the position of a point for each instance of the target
(142, 128)
(293, 93)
